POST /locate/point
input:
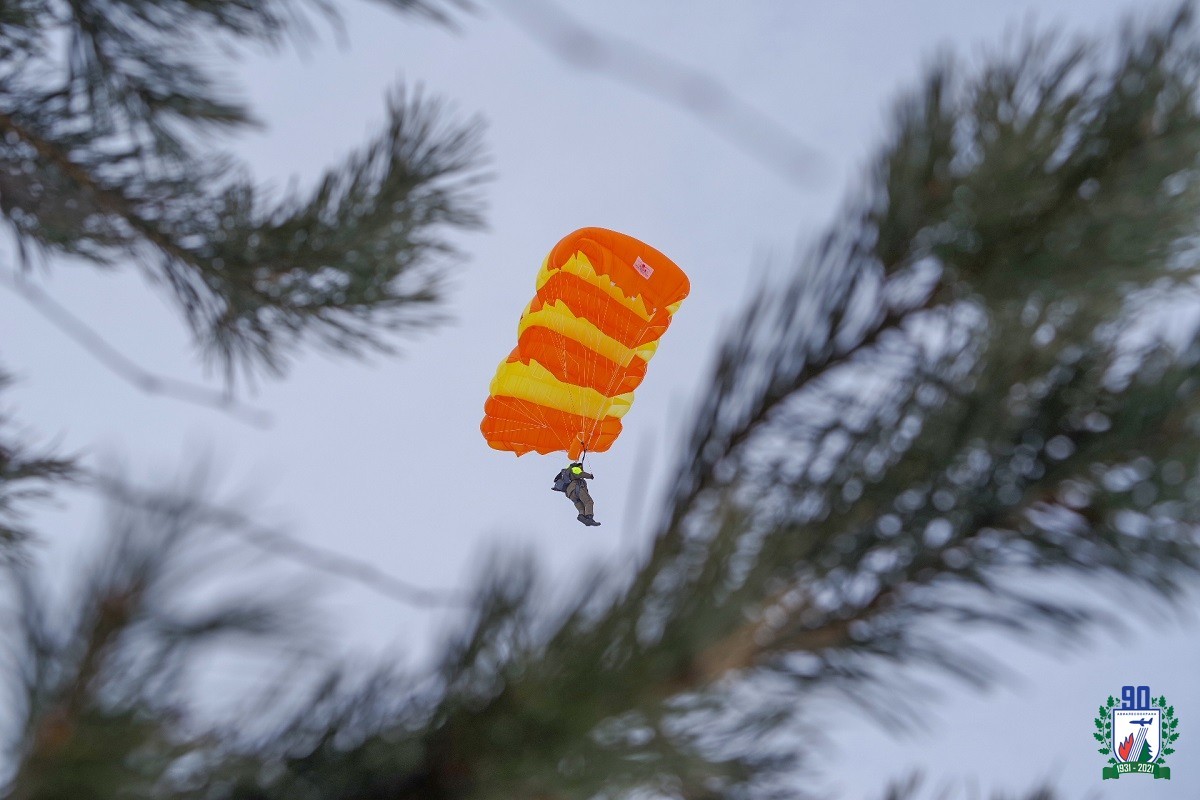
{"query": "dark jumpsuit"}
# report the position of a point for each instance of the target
(578, 492)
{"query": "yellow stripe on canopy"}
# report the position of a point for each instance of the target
(534, 383)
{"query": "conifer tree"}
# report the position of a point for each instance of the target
(957, 398)
(106, 112)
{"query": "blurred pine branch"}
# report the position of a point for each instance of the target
(123, 367)
(963, 398)
(109, 115)
(26, 473)
(98, 686)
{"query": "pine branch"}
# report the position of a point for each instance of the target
(99, 698)
(112, 163)
(125, 369)
(780, 546)
(25, 475)
(362, 256)
(757, 134)
(276, 542)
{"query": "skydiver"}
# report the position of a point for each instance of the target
(572, 481)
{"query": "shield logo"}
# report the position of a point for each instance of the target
(1137, 735)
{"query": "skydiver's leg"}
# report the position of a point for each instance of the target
(573, 494)
(584, 502)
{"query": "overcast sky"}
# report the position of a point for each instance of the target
(367, 458)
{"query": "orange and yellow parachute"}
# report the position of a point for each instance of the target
(603, 301)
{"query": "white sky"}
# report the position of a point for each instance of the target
(369, 458)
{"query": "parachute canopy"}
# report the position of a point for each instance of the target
(603, 301)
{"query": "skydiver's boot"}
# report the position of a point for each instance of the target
(588, 519)
(582, 519)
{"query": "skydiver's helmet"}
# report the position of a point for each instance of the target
(576, 467)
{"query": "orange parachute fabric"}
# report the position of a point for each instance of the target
(603, 301)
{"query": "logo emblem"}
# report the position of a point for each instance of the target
(1136, 733)
(644, 269)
